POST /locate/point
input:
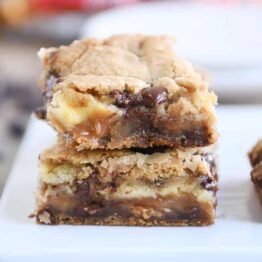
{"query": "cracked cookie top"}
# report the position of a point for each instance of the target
(119, 62)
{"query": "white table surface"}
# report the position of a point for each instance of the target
(235, 235)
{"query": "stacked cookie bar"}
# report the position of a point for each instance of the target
(136, 125)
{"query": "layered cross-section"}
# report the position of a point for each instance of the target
(126, 91)
(157, 186)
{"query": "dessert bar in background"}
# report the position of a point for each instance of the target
(160, 186)
(255, 156)
(126, 91)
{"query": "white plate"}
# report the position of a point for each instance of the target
(226, 40)
(235, 235)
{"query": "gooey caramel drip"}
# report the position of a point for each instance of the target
(97, 125)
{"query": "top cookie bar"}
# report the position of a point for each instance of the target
(126, 91)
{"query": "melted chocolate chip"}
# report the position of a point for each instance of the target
(86, 188)
(144, 125)
(141, 120)
(149, 97)
(154, 95)
(83, 191)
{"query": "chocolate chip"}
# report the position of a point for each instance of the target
(141, 120)
(154, 95)
(150, 97)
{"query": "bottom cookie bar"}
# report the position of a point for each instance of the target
(146, 187)
(255, 156)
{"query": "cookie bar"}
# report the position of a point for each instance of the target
(156, 186)
(255, 156)
(126, 91)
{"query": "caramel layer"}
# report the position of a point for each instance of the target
(124, 119)
(175, 209)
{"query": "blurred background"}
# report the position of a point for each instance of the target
(222, 38)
